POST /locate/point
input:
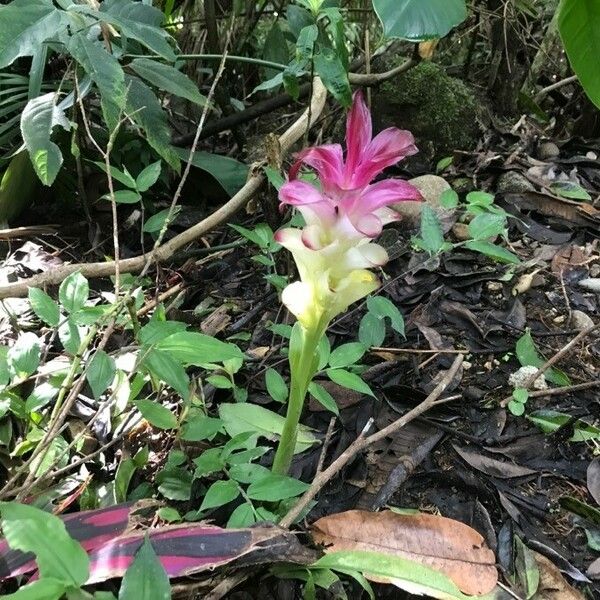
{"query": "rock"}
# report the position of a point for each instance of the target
(441, 111)
(580, 321)
(520, 377)
(431, 187)
(592, 284)
(548, 151)
(461, 232)
(512, 182)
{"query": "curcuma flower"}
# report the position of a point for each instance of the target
(334, 250)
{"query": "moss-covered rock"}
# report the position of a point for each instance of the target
(440, 110)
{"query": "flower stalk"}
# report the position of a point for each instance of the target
(334, 251)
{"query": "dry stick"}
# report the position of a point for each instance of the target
(554, 86)
(165, 251)
(416, 351)
(552, 361)
(363, 442)
(568, 389)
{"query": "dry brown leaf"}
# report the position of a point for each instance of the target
(427, 49)
(552, 584)
(448, 546)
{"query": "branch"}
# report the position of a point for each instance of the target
(165, 251)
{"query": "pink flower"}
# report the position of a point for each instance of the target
(348, 202)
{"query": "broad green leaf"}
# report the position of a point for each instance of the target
(4, 368)
(44, 307)
(168, 79)
(242, 516)
(200, 427)
(419, 19)
(175, 483)
(24, 356)
(244, 418)
(38, 119)
(521, 395)
(219, 494)
(220, 382)
(442, 165)
(383, 307)
(123, 177)
(319, 393)
(125, 472)
(487, 225)
(276, 487)
(105, 71)
(41, 396)
(550, 421)
(568, 189)
(56, 454)
(528, 355)
(146, 111)
(208, 462)
(331, 71)
(154, 331)
(25, 25)
(167, 368)
(69, 336)
(306, 42)
(432, 235)
(146, 578)
(516, 408)
(156, 222)
(346, 354)
(230, 173)
(47, 588)
(123, 197)
(73, 292)
(248, 472)
(349, 380)
(276, 386)
(405, 574)
(148, 177)
(156, 414)
(58, 556)
(101, 372)
(526, 568)
(579, 26)
(191, 348)
(493, 251)
(371, 330)
(275, 49)
(298, 18)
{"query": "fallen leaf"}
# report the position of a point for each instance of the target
(552, 585)
(492, 466)
(448, 546)
(593, 479)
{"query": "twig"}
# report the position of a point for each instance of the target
(416, 351)
(326, 443)
(165, 251)
(567, 389)
(552, 361)
(554, 86)
(363, 442)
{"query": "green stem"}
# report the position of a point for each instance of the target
(302, 371)
(229, 58)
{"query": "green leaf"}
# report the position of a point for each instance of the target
(346, 355)
(493, 251)
(56, 453)
(371, 331)
(146, 578)
(200, 427)
(251, 418)
(248, 472)
(197, 349)
(175, 483)
(58, 556)
(156, 222)
(383, 307)
(276, 487)
(121, 176)
(449, 199)
(208, 462)
(550, 421)
(148, 177)
(568, 189)
(520, 395)
(481, 199)
(101, 372)
(230, 173)
(156, 414)
(219, 494)
(41, 396)
(516, 408)
(24, 356)
(298, 18)
(38, 119)
(579, 26)
(220, 382)
(47, 588)
(528, 356)
(349, 380)
(419, 19)
(125, 472)
(25, 25)
(432, 235)
(68, 334)
(146, 111)
(105, 71)
(319, 393)
(154, 331)
(487, 225)
(276, 386)
(275, 49)
(168, 79)
(526, 568)
(73, 292)
(44, 307)
(167, 368)
(242, 516)
(405, 574)
(335, 78)
(124, 197)
(442, 165)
